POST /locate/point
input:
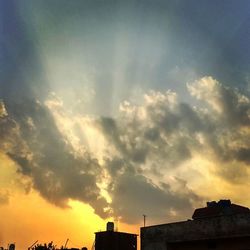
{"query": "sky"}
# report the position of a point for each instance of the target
(114, 109)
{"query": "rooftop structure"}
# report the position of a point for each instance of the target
(111, 240)
(220, 208)
(220, 225)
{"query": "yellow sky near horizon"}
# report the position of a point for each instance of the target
(27, 217)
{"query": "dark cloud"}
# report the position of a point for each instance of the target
(140, 131)
(147, 143)
(40, 151)
(243, 154)
(135, 195)
(121, 139)
(170, 133)
(228, 119)
(163, 130)
(60, 174)
(234, 172)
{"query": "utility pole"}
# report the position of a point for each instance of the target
(144, 219)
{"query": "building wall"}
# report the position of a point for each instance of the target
(110, 240)
(157, 237)
(223, 244)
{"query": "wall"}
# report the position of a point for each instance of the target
(115, 241)
(234, 226)
(221, 244)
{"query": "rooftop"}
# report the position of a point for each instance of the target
(220, 208)
(218, 220)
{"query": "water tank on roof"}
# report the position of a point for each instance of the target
(12, 246)
(211, 203)
(110, 226)
(224, 203)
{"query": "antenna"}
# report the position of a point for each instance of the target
(66, 243)
(144, 219)
(32, 244)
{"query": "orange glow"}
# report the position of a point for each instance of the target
(28, 217)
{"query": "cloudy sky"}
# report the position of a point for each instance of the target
(114, 109)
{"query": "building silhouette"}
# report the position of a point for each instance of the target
(220, 225)
(111, 240)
